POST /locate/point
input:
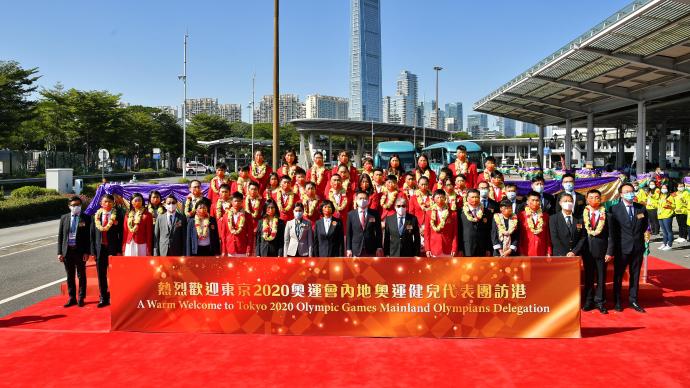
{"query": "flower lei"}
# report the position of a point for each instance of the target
(424, 200)
(258, 171)
(191, 202)
(157, 211)
(418, 176)
(461, 167)
(301, 191)
(500, 225)
(310, 205)
(236, 229)
(99, 216)
(396, 172)
(242, 185)
(539, 226)
(492, 190)
(269, 231)
(201, 226)
(218, 181)
(339, 206)
(219, 207)
(600, 223)
(468, 213)
(437, 227)
(290, 170)
(249, 206)
(133, 219)
(317, 174)
(269, 192)
(453, 201)
(388, 199)
(290, 200)
(346, 183)
(487, 175)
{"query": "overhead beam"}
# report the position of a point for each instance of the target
(550, 102)
(535, 110)
(628, 77)
(660, 63)
(590, 88)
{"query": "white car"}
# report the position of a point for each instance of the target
(196, 167)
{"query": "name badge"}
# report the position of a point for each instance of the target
(82, 224)
(640, 216)
(578, 226)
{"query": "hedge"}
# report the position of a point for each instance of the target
(14, 210)
(32, 192)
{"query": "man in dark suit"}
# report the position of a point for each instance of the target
(629, 223)
(517, 203)
(505, 236)
(567, 231)
(329, 239)
(73, 249)
(170, 230)
(548, 201)
(401, 236)
(490, 206)
(106, 241)
(568, 182)
(474, 226)
(597, 253)
(363, 229)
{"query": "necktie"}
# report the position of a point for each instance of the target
(474, 213)
(73, 225)
(400, 225)
(171, 220)
(361, 219)
(569, 222)
(484, 203)
(630, 213)
(298, 228)
(593, 220)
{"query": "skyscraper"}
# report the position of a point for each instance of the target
(326, 107)
(406, 97)
(454, 111)
(289, 108)
(477, 121)
(529, 128)
(365, 61)
(506, 126)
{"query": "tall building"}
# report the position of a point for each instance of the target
(454, 111)
(430, 115)
(529, 128)
(194, 106)
(326, 107)
(289, 108)
(406, 97)
(388, 110)
(477, 121)
(365, 60)
(506, 126)
(230, 112)
(171, 110)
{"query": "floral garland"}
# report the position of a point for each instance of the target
(406, 188)
(468, 213)
(346, 183)
(290, 171)
(270, 192)
(218, 181)
(600, 223)
(258, 171)
(157, 211)
(487, 175)
(461, 167)
(418, 176)
(424, 200)
(388, 199)
(202, 226)
(500, 225)
(133, 219)
(452, 201)
(190, 203)
(539, 226)
(339, 205)
(317, 174)
(99, 216)
(220, 208)
(269, 231)
(299, 190)
(236, 229)
(310, 205)
(290, 200)
(243, 185)
(397, 172)
(253, 206)
(435, 210)
(492, 190)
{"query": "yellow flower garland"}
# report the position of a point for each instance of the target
(388, 198)
(290, 201)
(317, 174)
(270, 229)
(438, 227)
(539, 226)
(258, 171)
(251, 205)
(236, 229)
(468, 213)
(418, 176)
(461, 167)
(242, 185)
(343, 199)
(99, 216)
(423, 203)
(217, 179)
(310, 205)
(190, 203)
(219, 208)
(600, 224)
(202, 227)
(512, 225)
(492, 190)
(133, 219)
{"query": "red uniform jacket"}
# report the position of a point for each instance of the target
(415, 208)
(235, 243)
(444, 242)
(431, 176)
(354, 175)
(254, 209)
(242, 189)
(484, 178)
(286, 214)
(143, 235)
(471, 178)
(531, 244)
(385, 212)
(323, 184)
(263, 180)
(213, 195)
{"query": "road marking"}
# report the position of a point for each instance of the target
(28, 249)
(39, 288)
(27, 242)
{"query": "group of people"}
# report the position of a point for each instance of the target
(321, 212)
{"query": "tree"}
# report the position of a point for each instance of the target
(209, 127)
(528, 135)
(16, 84)
(462, 136)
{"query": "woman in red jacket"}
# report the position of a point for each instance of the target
(138, 229)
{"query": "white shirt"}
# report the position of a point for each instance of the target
(326, 224)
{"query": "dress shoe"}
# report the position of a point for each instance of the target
(618, 307)
(103, 303)
(602, 309)
(70, 303)
(637, 307)
(81, 303)
(589, 306)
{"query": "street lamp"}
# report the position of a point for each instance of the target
(183, 77)
(438, 123)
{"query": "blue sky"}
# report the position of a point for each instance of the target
(135, 47)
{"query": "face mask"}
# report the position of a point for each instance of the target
(362, 203)
(628, 196)
(483, 193)
(681, 188)
(75, 210)
(401, 211)
(170, 207)
(539, 188)
(568, 186)
(567, 205)
(298, 215)
(511, 195)
(652, 187)
(664, 191)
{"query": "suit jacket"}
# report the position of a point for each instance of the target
(580, 204)
(192, 243)
(298, 245)
(548, 204)
(273, 248)
(169, 240)
(114, 235)
(331, 243)
(564, 239)
(598, 246)
(474, 237)
(363, 240)
(406, 245)
(83, 236)
(496, 239)
(492, 206)
(625, 236)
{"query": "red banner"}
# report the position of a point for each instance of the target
(527, 297)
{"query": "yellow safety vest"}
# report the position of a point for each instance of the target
(681, 201)
(652, 199)
(665, 205)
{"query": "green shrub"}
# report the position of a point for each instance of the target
(147, 170)
(32, 192)
(89, 190)
(207, 178)
(233, 176)
(14, 210)
(183, 180)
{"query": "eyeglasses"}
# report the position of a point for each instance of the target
(400, 206)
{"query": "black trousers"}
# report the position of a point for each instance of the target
(204, 251)
(595, 267)
(633, 263)
(682, 219)
(102, 269)
(653, 221)
(75, 265)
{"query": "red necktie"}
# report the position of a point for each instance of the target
(361, 219)
(593, 220)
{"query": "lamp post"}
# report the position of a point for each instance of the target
(183, 77)
(438, 124)
(276, 96)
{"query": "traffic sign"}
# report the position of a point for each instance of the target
(547, 151)
(156, 150)
(103, 154)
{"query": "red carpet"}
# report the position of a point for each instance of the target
(47, 345)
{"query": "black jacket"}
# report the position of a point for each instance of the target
(625, 236)
(474, 238)
(563, 239)
(407, 245)
(114, 236)
(192, 241)
(492, 206)
(363, 240)
(83, 237)
(598, 246)
(496, 241)
(579, 200)
(331, 244)
(273, 248)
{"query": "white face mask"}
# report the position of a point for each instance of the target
(363, 203)
(171, 207)
(652, 187)
(298, 214)
(511, 195)
(567, 205)
(75, 210)
(568, 186)
(483, 193)
(664, 191)
(401, 211)
(538, 188)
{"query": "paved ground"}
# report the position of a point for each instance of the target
(680, 254)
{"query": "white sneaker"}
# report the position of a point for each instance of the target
(680, 239)
(661, 245)
(661, 248)
(666, 248)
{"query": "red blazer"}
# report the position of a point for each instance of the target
(143, 235)
(482, 178)
(531, 244)
(444, 242)
(235, 244)
(321, 187)
(286, 215)
(212, 195)
(263, 181)
(315, 215)
(432, 177)
(416, 210)
(234, 187)
(496, 193)
(471, 177)
(390, 211)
